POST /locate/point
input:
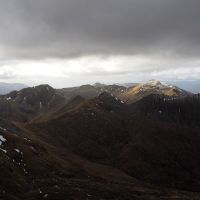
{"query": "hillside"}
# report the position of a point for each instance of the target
(107, 133)
(53, 146)
(28, 103)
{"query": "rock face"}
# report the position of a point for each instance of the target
(54, 146)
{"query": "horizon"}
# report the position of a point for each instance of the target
(174, 82)
(107, 83)
(192, 86)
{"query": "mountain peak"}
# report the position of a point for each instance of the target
(157, 84)
(151, 87)
(44, 86)
(154, 82)
(99, 85)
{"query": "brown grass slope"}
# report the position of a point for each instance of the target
(101, 131)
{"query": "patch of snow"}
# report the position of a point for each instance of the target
(47, 88)
(25, 171)
(46, 195)
(3, 129)
(165, 84)
(24, 100)
(27, 139)
(40, 191)
(40, 105)
(122, 102)
(8, 98)
(17, 150)
(180, 90)
(2, 139)
(5, 151)
(158, 84)
(153, 83)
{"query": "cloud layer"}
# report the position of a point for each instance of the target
(70, 29)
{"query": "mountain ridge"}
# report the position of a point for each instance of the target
(99, 146)
(141, 90)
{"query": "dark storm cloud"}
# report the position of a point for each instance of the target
(66, 28)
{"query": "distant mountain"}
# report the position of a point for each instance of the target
(91, 91)
(9, 87)
(127, 94)
(141, 90)
(188, 85)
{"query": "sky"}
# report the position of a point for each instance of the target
(73, 42)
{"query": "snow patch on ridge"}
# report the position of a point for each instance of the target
(2, 139)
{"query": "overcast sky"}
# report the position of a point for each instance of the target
(73, 42)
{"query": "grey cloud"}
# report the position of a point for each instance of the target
(6, 75)
(69, 28)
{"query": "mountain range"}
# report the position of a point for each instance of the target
(100, 142)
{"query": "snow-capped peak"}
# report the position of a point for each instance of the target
(158, 84)
(153, 82)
